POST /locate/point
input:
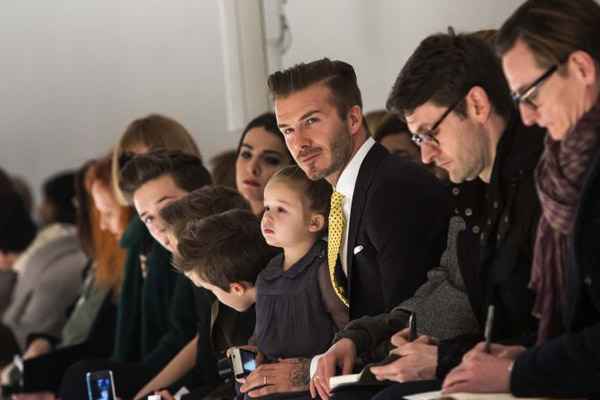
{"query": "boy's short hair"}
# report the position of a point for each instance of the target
(224, 248)
(187, 171)
(199, 204)
(318, 193)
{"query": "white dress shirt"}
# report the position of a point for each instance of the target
(345, 185)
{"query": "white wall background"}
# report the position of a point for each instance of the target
(377, 36)
(75, 72)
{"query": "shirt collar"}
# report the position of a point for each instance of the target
(275, 270)
(345, 185)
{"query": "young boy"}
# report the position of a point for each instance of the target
(224, 327)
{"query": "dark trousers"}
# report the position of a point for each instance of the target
(393, 391)
(129, 378)
(45, 373)
(399, 390)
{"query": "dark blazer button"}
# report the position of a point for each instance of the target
(588, 280)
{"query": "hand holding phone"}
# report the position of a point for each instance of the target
(243, 362)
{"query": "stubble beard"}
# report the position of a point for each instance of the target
(340, 153)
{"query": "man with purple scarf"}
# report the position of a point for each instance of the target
(551, 58)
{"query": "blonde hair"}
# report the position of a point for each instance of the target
(155, 132)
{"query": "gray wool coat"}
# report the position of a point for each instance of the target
(48, 285)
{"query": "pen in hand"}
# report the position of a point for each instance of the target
(489, 323)
(412, 327)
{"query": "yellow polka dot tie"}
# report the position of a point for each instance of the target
(337, 224)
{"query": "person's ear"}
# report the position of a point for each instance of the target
(237, 288)
(355, 120)
(584, 67)
(317, 222)
(478, 104)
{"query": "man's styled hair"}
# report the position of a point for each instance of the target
(201, 203)
(187, 171)
(224, 248)
(318, 193)
(338, 76)
(443, 69)
(553, 29)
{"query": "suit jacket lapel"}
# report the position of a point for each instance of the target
(359, 198)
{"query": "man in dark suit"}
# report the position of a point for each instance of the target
(395, 212)
(392, 214)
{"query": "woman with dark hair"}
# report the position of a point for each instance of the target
(260, 153)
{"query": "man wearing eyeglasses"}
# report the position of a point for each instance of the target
(551, 57)
(457, 104)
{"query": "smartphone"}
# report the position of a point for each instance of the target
(100, 385)
(243, 362)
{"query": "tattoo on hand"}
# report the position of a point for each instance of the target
(300, 374)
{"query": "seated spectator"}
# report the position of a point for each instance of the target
(551, 58)
(89, 332)
(152, 181)
(50, 270)
(207, 259)
(149, 284)
(229, 327)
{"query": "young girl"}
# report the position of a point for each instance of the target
(297, 310)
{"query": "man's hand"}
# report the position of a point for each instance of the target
(342, 354)
(497, 350)
(481, 372)
(287, 375)
(418, 359)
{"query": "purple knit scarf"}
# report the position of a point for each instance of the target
(559, 178)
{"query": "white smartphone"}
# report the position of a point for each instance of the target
(243, 362)
(100, 385)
